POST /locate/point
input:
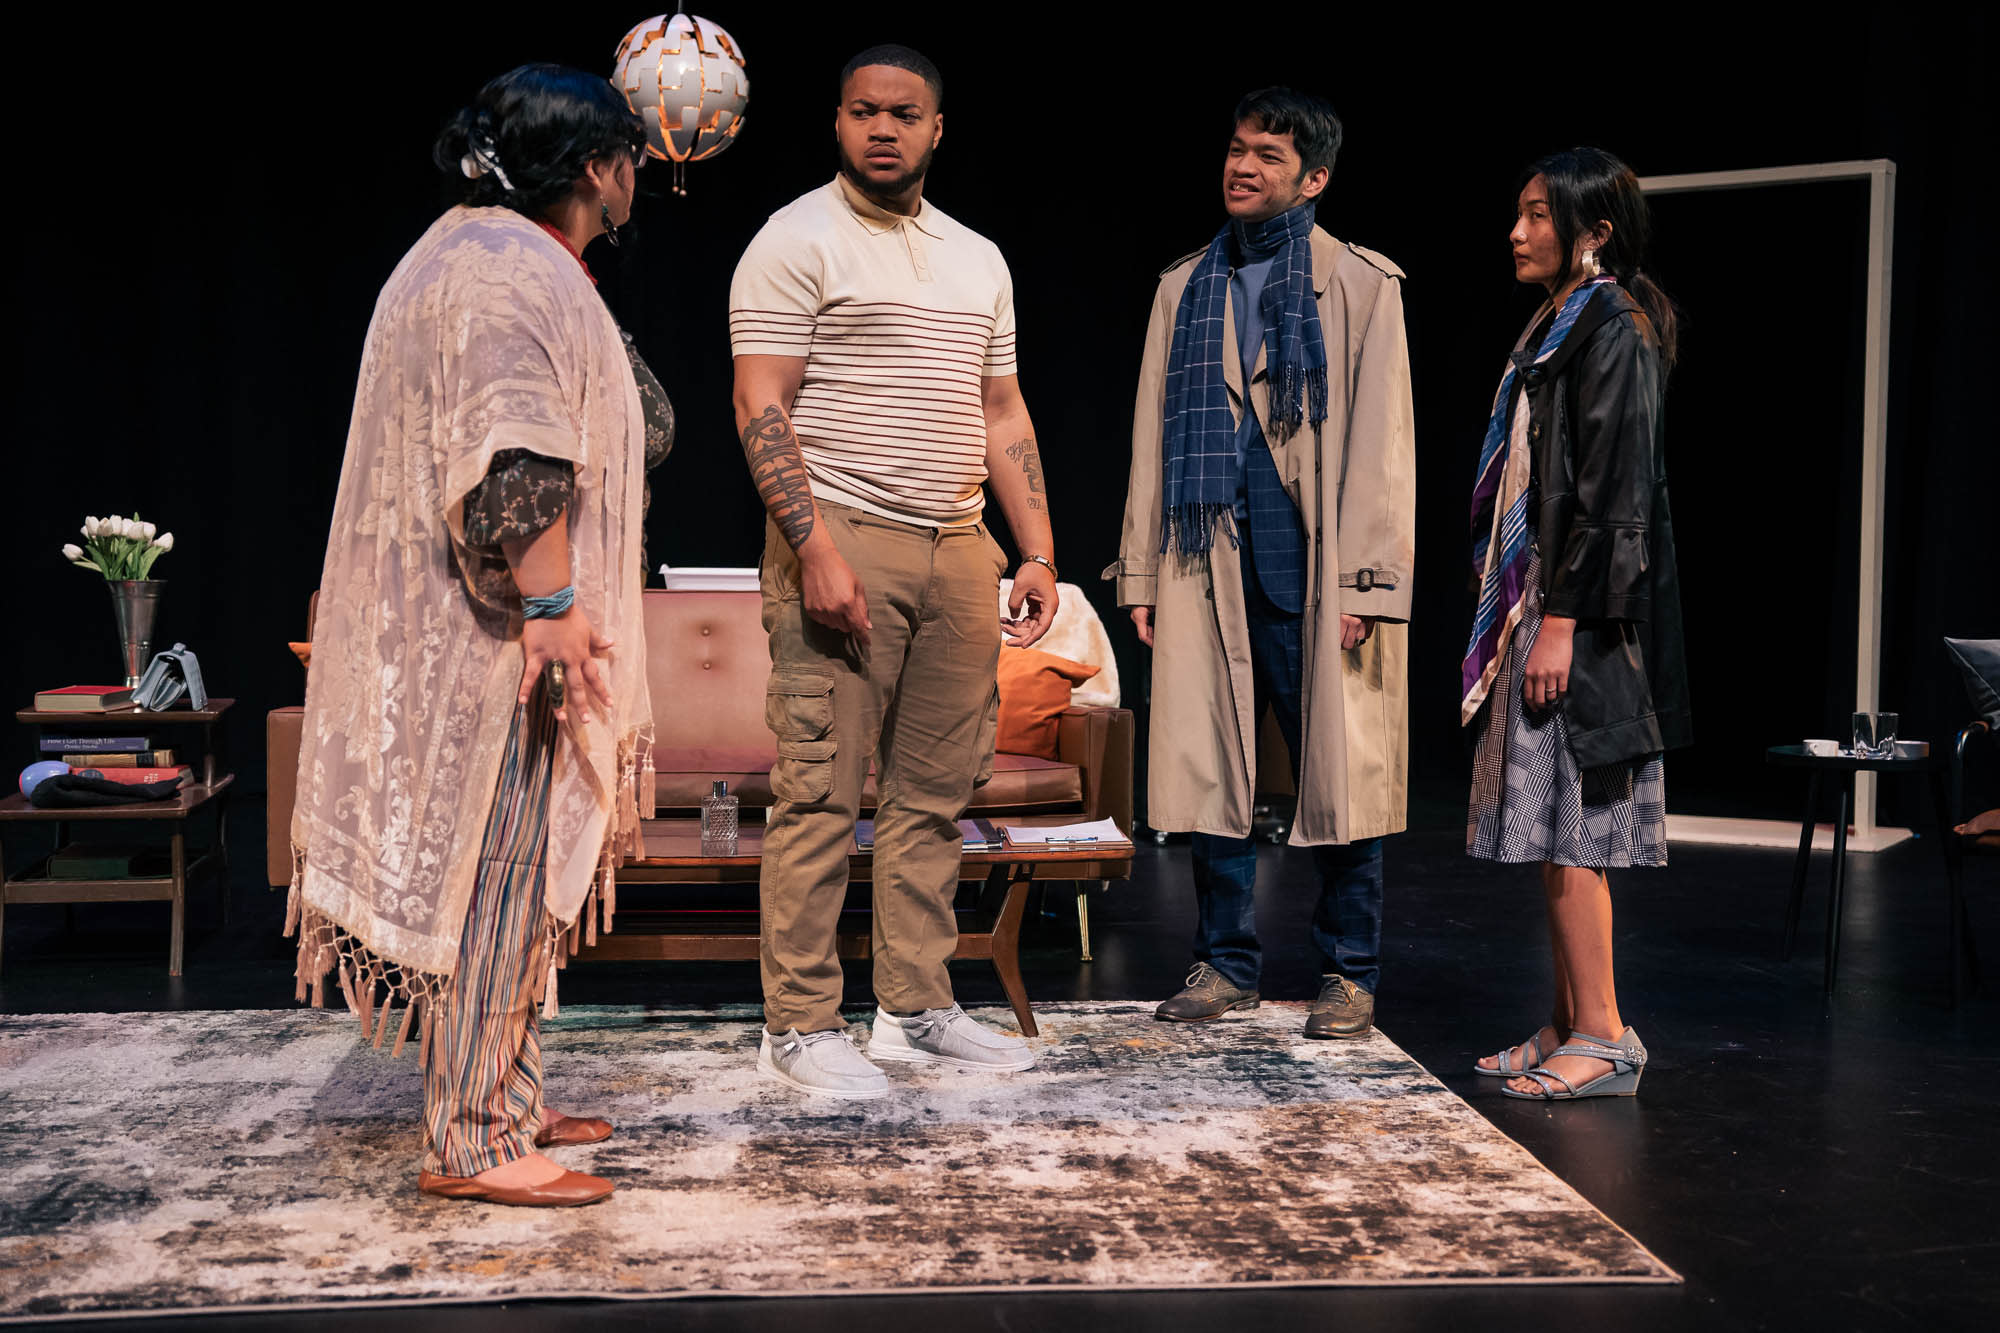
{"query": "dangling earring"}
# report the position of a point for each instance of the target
(610, 227)
(1587, 264)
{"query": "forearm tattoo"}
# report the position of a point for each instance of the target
(1029, 458)
(779, 472)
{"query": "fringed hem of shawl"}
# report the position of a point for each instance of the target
(373, 986)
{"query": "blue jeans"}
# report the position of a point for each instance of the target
(1347, 923)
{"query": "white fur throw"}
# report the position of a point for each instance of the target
(1078, 635)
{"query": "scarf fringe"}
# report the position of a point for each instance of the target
(1191, 528)
(1293, 389)
(374, 986)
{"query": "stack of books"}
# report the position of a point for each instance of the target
(115, 758)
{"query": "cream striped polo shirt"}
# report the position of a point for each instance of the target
(899, 320)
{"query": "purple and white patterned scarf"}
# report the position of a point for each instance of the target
(1500, 547)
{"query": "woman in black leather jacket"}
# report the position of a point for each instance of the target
(1574, 676)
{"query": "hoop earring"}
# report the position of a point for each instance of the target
(1587, 264)
(610, 227)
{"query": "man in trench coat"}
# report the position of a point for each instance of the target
(1297, 595)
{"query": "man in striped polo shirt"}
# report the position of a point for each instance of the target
(877, 397)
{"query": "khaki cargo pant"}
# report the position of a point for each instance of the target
(920, 702)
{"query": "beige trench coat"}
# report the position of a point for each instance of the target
(1355, 485)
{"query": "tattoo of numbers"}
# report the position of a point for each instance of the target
(1029, 458)
(779, 473)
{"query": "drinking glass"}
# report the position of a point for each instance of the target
(1875, 735)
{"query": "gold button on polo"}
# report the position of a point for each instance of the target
(706, 665)
(707, 630)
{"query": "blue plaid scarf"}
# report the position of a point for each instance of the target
(1199, 441)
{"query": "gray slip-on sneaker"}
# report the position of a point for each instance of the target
(824, 1063)
(946, 1037)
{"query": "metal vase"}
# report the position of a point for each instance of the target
(137, 603)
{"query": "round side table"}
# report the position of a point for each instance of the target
(1841, 768)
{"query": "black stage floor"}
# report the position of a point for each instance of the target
(1804, 1165)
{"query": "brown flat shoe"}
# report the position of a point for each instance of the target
(568, 1190)
(570, 1130)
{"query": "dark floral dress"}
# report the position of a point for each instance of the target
(522, 492)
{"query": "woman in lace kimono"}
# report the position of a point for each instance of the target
(478, 689)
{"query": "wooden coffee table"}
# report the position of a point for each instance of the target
(649, 925)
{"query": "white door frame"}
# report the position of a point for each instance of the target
(1880, 173)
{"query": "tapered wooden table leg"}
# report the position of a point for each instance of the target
(1007, 946)
(222, 847)
(180, 903)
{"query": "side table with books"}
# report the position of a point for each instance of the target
(95, 867)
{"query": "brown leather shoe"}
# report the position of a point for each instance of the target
(1343, 1009)
(567, 1131)
(1208, 994)
(567, 1190)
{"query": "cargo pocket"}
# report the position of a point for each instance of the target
(989, 734)
(798, 708)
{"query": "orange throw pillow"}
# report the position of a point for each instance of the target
(1034, 690)
(305, 652)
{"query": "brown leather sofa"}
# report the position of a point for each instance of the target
(707, 657)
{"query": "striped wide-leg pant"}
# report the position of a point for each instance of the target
(483, 1076)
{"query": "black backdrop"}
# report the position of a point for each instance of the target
(203, 214)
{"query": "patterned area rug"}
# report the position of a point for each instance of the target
(265, 1158)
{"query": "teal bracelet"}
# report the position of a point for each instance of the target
(544, 608)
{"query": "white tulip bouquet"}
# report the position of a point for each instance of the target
(119, 548)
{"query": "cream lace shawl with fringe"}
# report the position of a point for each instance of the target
(488, 336)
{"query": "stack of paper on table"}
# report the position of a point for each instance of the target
(1097, 830)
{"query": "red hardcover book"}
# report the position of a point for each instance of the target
(84, 699)
(180, 772)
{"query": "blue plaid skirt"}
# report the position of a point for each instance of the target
(1530, 801)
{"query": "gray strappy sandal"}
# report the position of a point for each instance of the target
(1627, 1057)
(1502, 1070)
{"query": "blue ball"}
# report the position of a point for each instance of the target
(35, 773)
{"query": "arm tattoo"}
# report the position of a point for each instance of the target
(779, 472)
(1024, 453)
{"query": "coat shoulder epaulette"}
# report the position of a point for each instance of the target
(1375, 259)
(1192, 254)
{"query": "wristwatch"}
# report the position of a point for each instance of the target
(1045, 562)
